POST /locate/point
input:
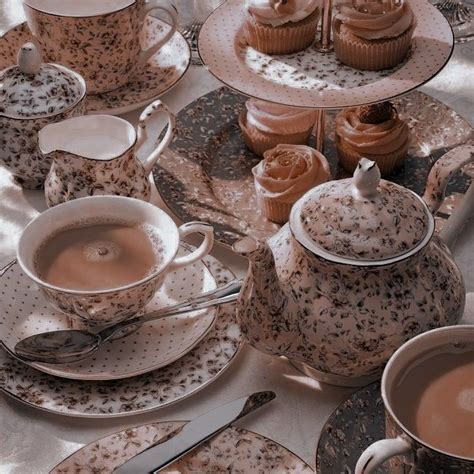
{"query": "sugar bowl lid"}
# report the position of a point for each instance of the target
(34, 89)
(363, 220)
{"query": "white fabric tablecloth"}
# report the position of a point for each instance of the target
(32, 441)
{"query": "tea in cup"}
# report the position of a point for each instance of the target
(98, 39)
(428, 393)
(102, 258)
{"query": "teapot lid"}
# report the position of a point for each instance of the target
(363, 220)
(34, 89)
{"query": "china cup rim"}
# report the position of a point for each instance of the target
(385, 395)
(43, 284)
(97, 15)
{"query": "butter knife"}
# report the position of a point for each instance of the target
(179, 442)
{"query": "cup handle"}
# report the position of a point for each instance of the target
(202, 250)
(378, 452)
(155, 108)
(150, 5)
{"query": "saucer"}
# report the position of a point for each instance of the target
(162, 72)
(352, 427)
(206, 173)
(24, 311)
(233, 450)
(144, 393)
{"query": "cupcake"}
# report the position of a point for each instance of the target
(284, 175)
(375, 132)
(373, 36)
(265, 125)
(280, 26)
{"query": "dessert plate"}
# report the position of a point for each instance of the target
(313, 79)
(163, 70)
(233, 450)
(24, 311)
(136, 395)
(206, 172)
(352, 427)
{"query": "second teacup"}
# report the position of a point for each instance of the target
(98, 39)
(101, 259)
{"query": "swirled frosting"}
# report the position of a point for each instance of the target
(279, 12)
(288, 171)
(379, 138)
(278, 119)
(373, 21)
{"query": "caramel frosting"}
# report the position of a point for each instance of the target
(373, 21)
(278, 119)
(279, 12)
(288, 171)
(376, 138)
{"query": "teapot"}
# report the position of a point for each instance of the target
(356, 272)
(96, 155)
(32, 95)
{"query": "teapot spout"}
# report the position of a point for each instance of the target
(263, 308)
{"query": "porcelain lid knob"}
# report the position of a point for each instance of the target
(366, 179)
(29, 59)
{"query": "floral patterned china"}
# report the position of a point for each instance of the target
(162, 71)
(316, 79)
(159, 388)
(206, 173)
(34, 94)
(99, 40)
(85, 163)
(233, 450)
(153, 345)
(355, 273)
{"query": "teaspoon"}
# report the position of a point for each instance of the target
(73, 345)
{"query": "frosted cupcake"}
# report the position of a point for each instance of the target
(265, 125)
(375, 132)
(280, 26)
(284, 175)
(374, 35)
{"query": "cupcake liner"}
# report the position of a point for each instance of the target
(259, 142)
(273, 210)
(349, 158)
(284, 39)
(371, 55)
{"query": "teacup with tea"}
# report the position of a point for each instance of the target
(428, 393)
(102, 258)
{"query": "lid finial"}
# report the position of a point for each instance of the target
(366, 179)
(29, 59)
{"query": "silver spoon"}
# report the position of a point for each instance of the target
(72, 345)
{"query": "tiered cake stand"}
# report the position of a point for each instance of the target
(206, 173)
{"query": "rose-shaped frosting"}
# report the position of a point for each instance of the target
(279, 12)
(380, 138)
(278, 119)
(373, 23)
(288, 171)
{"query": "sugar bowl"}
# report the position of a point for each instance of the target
(32, 95)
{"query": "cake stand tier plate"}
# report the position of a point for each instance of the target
(313, 79)
(206, 172)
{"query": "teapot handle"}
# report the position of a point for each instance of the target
(155, 108)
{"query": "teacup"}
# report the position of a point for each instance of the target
(98, 39)
(410, 453)
(103, 307)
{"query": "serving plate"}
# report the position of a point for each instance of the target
(24, 311)
(206, 172)
(162, 71)
(312, 79)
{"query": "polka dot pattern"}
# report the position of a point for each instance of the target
(24, 312)
(312, 79)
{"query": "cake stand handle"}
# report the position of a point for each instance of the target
(319, 130)
(325, 45)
